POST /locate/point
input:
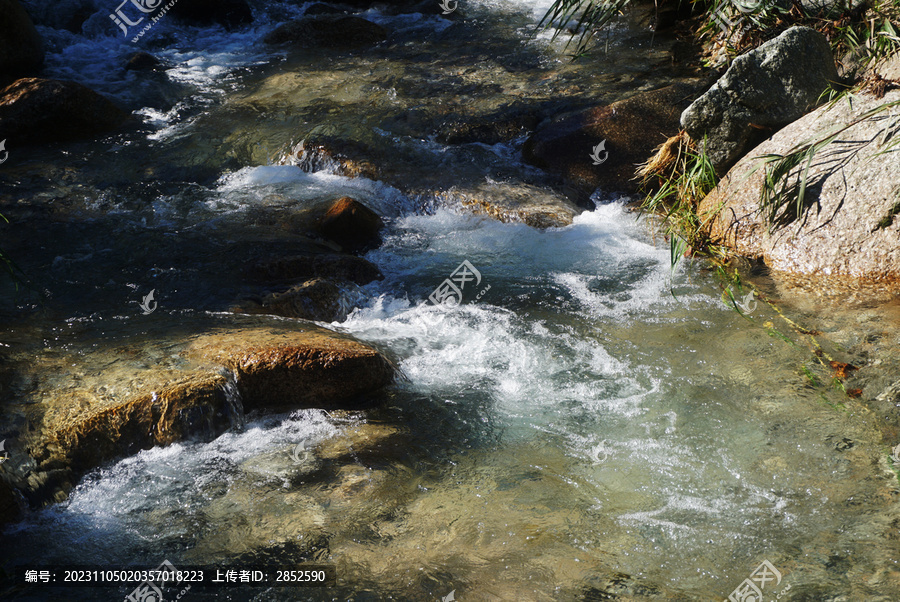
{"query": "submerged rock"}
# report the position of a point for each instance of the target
(328, 32)
(762, 91)
(34, 110)
(333, 266)
(531, 205)
(140, 61)
(352, 225)
(195, 406)
(370, 441)
(850, 226)
(316, 299)
(632, 128)
(502, 125)
(21, 48)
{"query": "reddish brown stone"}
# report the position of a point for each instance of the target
(352, 225)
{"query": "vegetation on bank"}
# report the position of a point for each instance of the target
(678, 177)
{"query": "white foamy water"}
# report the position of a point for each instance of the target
(584, 412)
(570, 393)
(250, 187)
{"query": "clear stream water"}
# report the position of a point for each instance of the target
(593, 424)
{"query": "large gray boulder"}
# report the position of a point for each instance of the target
(851, 227)
(761, 92)
(21, 49)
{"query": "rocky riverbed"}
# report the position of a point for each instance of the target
(222, 345)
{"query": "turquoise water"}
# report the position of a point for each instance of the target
(587, 423)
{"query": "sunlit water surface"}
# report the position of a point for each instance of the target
(586, 423)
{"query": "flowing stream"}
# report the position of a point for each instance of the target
(587, 424)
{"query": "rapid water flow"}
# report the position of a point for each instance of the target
(588, 423)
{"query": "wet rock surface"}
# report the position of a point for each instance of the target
(129, 406)
(527, 204)
(631, 128)
(352, 225)
(34, 110)
(310, 369)
(325, 265)
(143, 61)
(318, 299)
(849, 226)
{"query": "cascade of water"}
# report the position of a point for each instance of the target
(233, 401)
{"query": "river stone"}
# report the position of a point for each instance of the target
(852, 227)
(328, 32)
(154, 392)
(141, 61)
(228, 13)
(762, 91)
(332, 266)
(21, 49)
(501, 125)
(531, 205)
(365, 443)
(346, 157)
(889, 68)
(317, 299)
(195, 406)
(352, 225)
(632, 128)
(288, 465)
(313, 369)
(34, 110)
